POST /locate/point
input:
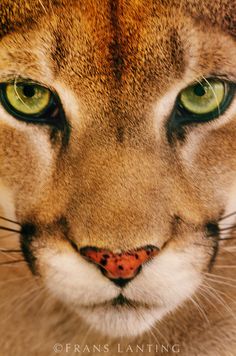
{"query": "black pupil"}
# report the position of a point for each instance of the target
(28, 91)
(199, 90)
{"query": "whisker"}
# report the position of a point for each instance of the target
(18, 297)
(220, 293)
(8, 281)
(200, 309)
(43, 7)
(84, 341)
(9, 229)
(227, 216)
(198, 244)
(225, 266)
(225, 224)
(220, 277)
(12, 234)
(150, 331)
(203, 293)
(229, 250)
(227, 238)
(214, 93)
(26, 299)
(31, 301)
(9, 220)
(220, 282)
(11, 262)
(228, 228)
(11, 250)
(219, 240)
(12, 257)
(212, 292)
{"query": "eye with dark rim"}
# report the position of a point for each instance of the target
(31, 102)
(202, 102)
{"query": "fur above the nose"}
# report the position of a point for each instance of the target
(119, 265)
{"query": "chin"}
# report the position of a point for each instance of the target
(121, 320)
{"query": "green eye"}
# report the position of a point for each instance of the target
(204, 98)
(199, 103)
(31, 102)
(27, 98)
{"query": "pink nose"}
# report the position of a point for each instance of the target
(124, 265)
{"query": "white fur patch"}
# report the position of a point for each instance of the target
(7, 204)
(69, 101)
(162, 285)
(230, 209)
(73, 279)
(38, 139)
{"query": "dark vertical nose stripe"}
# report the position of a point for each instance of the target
(122, 265)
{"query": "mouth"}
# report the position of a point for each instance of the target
(121, 302)
(122, 317)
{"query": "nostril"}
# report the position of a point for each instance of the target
(119, 267)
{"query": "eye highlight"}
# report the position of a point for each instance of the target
(29, 101)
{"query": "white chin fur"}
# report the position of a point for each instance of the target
(163, 285)
(121, 321)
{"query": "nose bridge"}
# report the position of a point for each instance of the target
(114, 197)
(116, 185)
(109, 167)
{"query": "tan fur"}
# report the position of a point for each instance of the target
(118, 183)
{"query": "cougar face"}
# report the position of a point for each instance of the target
(117, 180)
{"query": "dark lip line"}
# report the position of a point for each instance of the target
(120, 302)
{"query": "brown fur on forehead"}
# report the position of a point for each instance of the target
(120, 51)
(14, 13)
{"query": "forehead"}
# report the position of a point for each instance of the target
(131, 46)
(15, 13)
(118, 41)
